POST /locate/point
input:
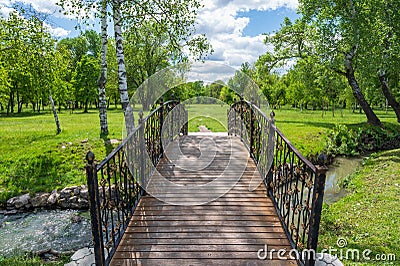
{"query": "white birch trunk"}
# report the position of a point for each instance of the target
(53, 107)
(103, 75)
(122, 83)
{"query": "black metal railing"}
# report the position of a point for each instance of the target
(118, 182)
(295, 185)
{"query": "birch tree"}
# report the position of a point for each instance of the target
(103, 73)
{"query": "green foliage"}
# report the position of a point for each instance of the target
(31, 260)
(85, 80)
(343, 140)
(308, 129)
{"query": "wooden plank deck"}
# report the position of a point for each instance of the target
(203, 216)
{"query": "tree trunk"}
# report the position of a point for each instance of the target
(348, 63)
(390, 99)
(85, 110)
(55, 115)
(12, 102)
(123, 86)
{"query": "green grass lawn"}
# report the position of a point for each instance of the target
(369, 217)
(212, 116)
(35, 159)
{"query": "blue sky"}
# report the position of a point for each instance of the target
(233, 27)
(266, 21)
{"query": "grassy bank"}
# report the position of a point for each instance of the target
(35, 159)
(369, 217)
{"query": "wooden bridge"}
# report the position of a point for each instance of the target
(216, 199)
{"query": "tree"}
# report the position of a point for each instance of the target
(85, 80)
(175, 17)
(382, 49)
(341, 31)
(103, 74)
(329, 31)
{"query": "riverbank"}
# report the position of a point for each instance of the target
(368, 217)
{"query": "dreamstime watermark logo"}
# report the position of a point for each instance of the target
(160, 185)
(340, 252)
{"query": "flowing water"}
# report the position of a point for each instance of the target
(340, 168)
(61, 230)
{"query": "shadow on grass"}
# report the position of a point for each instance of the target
(314, 124)
(107, 144)
(24, 114)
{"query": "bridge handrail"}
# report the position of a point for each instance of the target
(115, 185)
(295, 185)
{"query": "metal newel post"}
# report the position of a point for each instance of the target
(316, 210)
(186, 127)
(271, 151)
(251, 130)
(94, 205)
(142, 147)
(161, 127)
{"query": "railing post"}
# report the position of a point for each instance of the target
(94, 205)
(251, 130)
(270, 151)
(142, 148)
(316, 209)
(185, 128)
(161, 121)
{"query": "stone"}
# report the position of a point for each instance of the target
(40, 200)
(84, 194)
(66, 192)
(84, 141)
(83, 203)
(73, 199)
(325, 259)
(63, 203)
(80, 254)
(52, 199)
(21, 201)
(76, 191)
(11, 202)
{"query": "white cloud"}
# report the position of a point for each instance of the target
(57, 32)
(218, 20)
(47, 7)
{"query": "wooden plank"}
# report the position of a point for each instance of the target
(196, 262)
(201, 223)
(204, 229)
(192, 254)
(211, 247)
(207, 235)
(215, 217)
(202, 241)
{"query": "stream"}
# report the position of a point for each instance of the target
(61, 230)
(340, 168)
